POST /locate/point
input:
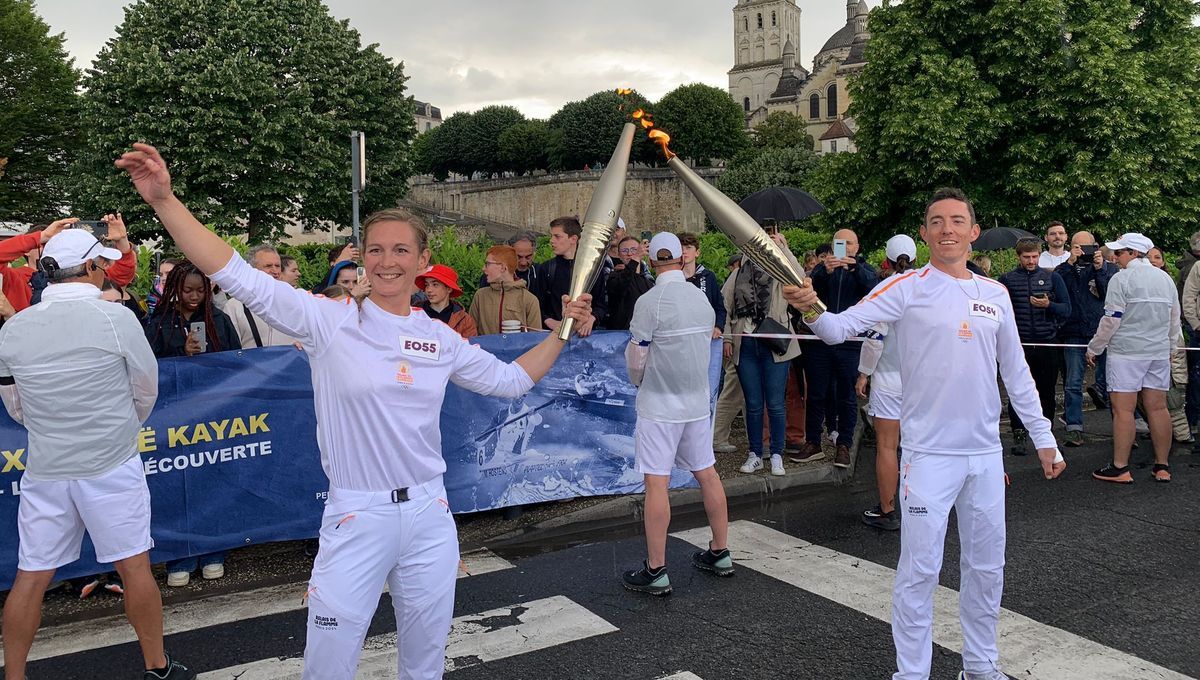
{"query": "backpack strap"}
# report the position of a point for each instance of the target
(253, 326)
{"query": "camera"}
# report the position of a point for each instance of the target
(99, 227)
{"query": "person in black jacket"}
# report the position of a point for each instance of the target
(626, 284)
(1040, 304)
(187, 299)
(840, 282)
(554, 278)
(703, 279)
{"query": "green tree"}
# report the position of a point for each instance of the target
(703, 121)
(781, 130)
(588, 130)
(482, 136)
(523, 147)
(1080, 110)
(38, 115)
(750, 172)
(447, 147)
(422, 153)
(252, 102)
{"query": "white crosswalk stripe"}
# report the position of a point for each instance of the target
(540, 624)
(213, 611)
(682, 675)
(1028, 649)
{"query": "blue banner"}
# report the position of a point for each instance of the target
(231, 457)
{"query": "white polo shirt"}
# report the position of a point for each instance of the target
(378, 379)
(85, 378)
(675, 321)
(951, 334)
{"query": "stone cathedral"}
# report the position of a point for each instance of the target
(765, 77)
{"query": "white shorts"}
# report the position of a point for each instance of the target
(1134, 375)
(660, 446)
(884, 404)
(114, 508)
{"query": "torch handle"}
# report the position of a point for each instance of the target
(565, 328)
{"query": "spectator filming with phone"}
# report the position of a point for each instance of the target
(186, 322)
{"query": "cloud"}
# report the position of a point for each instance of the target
(533, 54)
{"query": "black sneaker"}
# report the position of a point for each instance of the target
(877, 518)
(644, 580)
(1020, 443)
(1099, 398)
(718, 562)
(1112, 473)
(173, 671)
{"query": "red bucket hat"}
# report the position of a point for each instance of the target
(444, 275)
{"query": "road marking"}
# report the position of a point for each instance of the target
(474, 639)
(77, 637)
(1028, 649)
(682, 675)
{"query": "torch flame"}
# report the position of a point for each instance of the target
(638, 114)
(624, 91)
(662, 139)
(647, 123)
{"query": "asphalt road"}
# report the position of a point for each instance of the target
(1113, 571)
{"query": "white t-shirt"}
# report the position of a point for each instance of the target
(1143, 298)
(675, 321)
(1048, 260)
(378, 379)
(950, 333)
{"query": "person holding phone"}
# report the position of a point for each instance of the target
(112, 231)
(380, 373)
(1040, 305)
(186, 321)
(1086, 275)
(842, 281)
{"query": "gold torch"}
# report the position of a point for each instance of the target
(742, 229)
(599, 224)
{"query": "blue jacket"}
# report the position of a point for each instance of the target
(842, 289)
(1035, 324)
(706, 281)
(1087, 287)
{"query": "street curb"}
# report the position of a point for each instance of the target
(740, 489)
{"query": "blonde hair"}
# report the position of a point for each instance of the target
(394, 215)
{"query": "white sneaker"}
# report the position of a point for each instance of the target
(212, 571)
(990, 675)
(777, 465)
(178, 579)
(724, 448)
(753, 464)
(1141, 426)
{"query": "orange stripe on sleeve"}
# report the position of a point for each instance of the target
(885, 289)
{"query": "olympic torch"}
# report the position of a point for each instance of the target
(599, 224)
(735, 223)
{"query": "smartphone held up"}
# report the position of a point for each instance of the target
(196, 330)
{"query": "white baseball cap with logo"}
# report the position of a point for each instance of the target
(1131, 241)
(901, 244)
(72, 247)
(665, 240)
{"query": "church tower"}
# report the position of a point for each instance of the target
(761, 29)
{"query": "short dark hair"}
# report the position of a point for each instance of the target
(951, 193)
(285, 260)
(689, 239)
(823, 249)
(569, 225)
(1055, 223)
(628, 238)
(1028, 245)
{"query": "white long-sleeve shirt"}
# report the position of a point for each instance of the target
(1141, 314)
(378, 379)
(85, 381)
(880, 359)
(951, 333)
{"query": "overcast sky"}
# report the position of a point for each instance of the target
(533, 54)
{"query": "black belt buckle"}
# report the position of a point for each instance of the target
(400, 495)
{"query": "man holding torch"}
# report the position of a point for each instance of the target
(945, 316)
(667, 358)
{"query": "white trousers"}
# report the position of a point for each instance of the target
(930, 485)
(367, 539)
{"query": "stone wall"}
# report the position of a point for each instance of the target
(655, 199)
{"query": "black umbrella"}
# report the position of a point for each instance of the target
(1000, 238)
(782, 204)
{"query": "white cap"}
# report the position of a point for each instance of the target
(73, 247)
(901, 244)
(620, 223)
(1131, 241)
(665, 240)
